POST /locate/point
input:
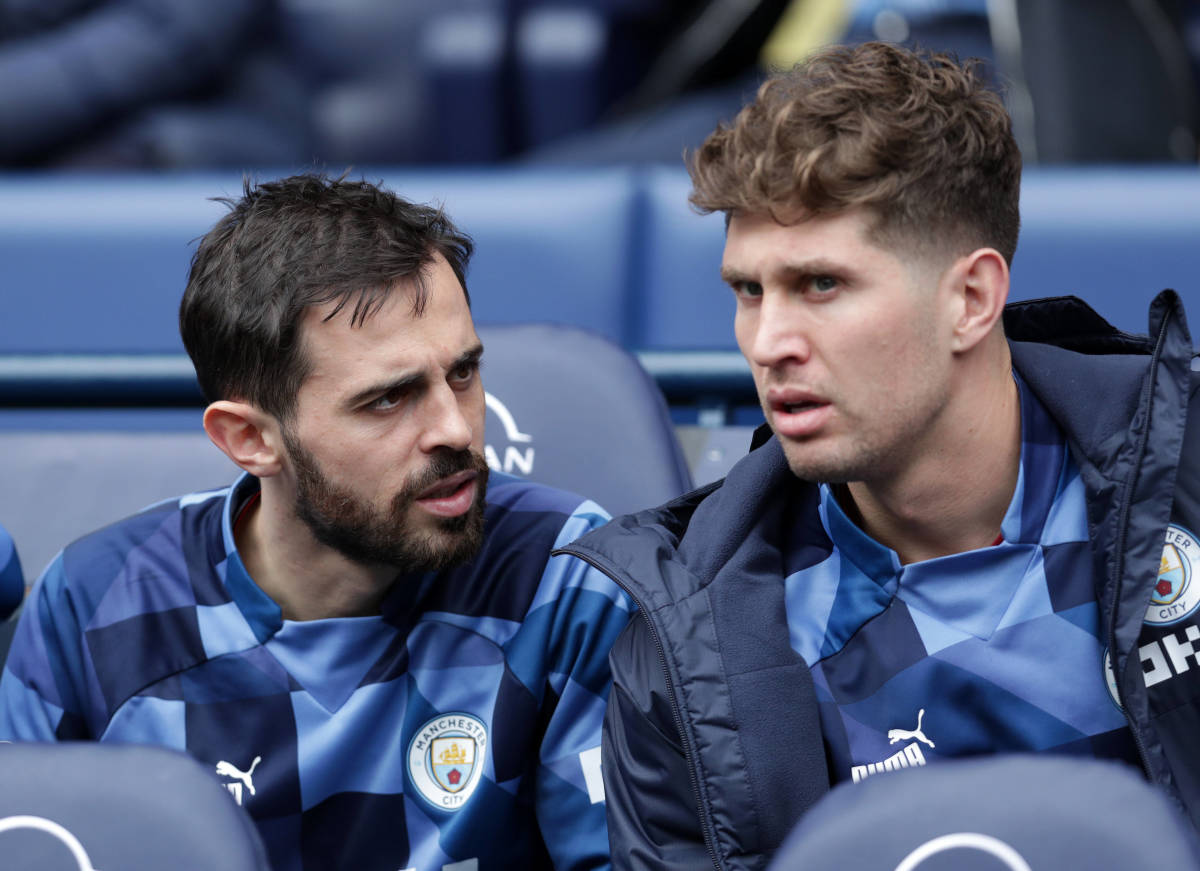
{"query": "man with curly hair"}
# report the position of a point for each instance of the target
(964, 529)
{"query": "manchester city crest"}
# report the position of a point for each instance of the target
(445, 759)
(1176, 592)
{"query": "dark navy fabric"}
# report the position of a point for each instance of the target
(73, 70)
(712, 737)
(995, 814)
(12, 579)
(459, 728)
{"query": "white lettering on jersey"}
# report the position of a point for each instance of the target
(589, 761)
(910, 757)
(1162, 660)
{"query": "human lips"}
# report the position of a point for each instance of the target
(451, 496)
(797, 413)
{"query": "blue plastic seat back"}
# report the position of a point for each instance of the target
(100, 263)
(568, 408)
(1114, 236)
(67, 472)
(571, 409)
(999, 813)
(101, 807)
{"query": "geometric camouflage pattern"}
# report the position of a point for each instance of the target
(459, 729)
(993, 650)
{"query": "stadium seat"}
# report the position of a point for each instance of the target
(999, 813)
(569, 408)
(97, 264)
(69, 471)
(103, 807)
(686, 306)
(1114, 236)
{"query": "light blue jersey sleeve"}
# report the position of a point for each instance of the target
(41, 687)
(578, 614)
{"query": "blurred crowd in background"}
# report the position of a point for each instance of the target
(179, 84)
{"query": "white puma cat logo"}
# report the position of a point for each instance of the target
(227, 769)
(896, 735)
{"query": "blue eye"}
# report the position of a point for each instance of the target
(824, 283)
(748, 288)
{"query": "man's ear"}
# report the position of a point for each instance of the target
(980, 290)
(247, 435)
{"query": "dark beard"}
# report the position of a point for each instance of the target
(357, 530)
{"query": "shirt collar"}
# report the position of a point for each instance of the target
(260, 610)
(937, 586)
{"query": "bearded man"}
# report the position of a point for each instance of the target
(364, 636)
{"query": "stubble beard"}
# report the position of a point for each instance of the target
(867, 453)
(358, 530)
(854, 463)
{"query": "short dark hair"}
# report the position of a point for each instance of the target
(917, 138)
(286, 246)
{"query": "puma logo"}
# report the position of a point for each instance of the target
(897, 735)
(226, 769)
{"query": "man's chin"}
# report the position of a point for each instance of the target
(809, 463)
(406, 537)
(449, 541)
(447, 551)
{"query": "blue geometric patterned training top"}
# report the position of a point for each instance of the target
(992, 650)
(459, 730)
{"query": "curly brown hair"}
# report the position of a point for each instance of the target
(917, 138)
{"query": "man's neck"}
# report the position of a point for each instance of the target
(954, 495)
(308, 580)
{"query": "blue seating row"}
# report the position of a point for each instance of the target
(606, 435)
(97, 263)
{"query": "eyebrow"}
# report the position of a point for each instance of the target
(815, 266)
(412, 380)
(471, 356)
(729, 275)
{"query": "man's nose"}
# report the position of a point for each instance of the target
(448, 425)
(781, 332)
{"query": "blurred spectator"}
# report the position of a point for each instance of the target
(168, 83)
(714, 62)
(180, 83)
(467, 81)
(1104, 81)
